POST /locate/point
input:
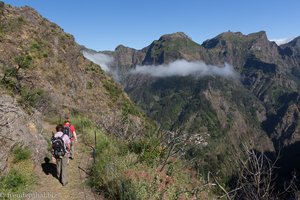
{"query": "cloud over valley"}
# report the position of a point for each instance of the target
(186, 68)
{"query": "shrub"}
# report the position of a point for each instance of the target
(23, 61)
(147, 149)
(89, 85)
(38, 49)
(8, 83)
(14, 181)
(21, 154)
(31, 98)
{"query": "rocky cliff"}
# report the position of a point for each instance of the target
(19, 128)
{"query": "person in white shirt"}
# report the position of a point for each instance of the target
(62, 162)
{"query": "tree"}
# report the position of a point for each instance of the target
(11, 73)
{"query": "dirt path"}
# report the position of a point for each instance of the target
(50, 188)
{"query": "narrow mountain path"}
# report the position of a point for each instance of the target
(51, 188)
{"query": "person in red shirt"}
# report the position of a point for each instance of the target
(73, 138)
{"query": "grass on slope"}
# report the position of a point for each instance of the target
(137, 169)
(20, 177)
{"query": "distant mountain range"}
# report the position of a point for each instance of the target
(233, 88)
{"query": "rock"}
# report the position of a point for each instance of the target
(19, 128)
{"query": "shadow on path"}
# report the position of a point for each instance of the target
(49, 168)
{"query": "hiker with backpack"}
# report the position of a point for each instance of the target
(60, 150)
(69, 130)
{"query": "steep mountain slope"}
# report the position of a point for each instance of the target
(291, 51)
(45, 58)
(44, 76)
(270, 75)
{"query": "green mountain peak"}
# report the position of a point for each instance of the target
(175, 36)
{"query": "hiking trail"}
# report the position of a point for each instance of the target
(48, 185)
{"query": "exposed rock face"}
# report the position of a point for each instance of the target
(294, 46)
(128, 58)
(19, 128)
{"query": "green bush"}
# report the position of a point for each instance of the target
(38, 49)
(31, 98)
(20, 20)
(36, 46)
(14, 181)
(89, 85)
(24, 61)
(10, 84)
(10, 72)
(21, 154)
(45, 54)
(148, 150)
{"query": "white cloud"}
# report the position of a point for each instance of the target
(177, 68)
(100, 59)
(282, 40)
(185, 68)
(104, 61)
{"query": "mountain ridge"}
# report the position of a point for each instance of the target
(262, 64)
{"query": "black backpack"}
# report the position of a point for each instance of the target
(67, 131)
(58, 147)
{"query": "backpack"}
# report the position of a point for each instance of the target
(67, 131)
(58, 147)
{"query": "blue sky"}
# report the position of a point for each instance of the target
(104, 24)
